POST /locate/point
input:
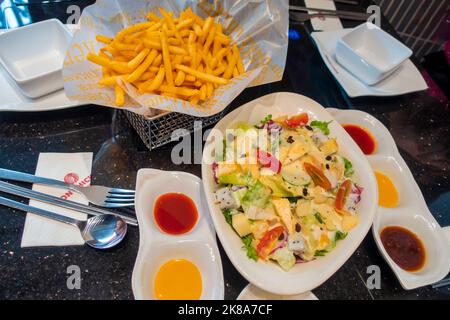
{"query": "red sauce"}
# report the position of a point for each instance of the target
(362, 137)
(404, 247)
(175, 213)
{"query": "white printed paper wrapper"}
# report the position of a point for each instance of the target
(259, 27)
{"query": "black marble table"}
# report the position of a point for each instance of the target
(418, 122)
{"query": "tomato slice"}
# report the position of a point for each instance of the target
(268, 241)
(341, 195)
(317, 176)
(268, 161)
(298, 120)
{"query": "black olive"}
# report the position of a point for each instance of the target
(281, 237)
(328, 158)
(309, 128)
(327, 166)
(305, 192)
(298, 227)
(290, 139)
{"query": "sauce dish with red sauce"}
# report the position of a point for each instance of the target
(174, 225)
(409, 225)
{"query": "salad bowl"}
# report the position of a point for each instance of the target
(302, 277)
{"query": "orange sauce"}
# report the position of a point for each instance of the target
(178, 279)
(388, 195)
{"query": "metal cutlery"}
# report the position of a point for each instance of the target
(352, 2)
(304, 16)
(345, 14)
(31, 194)
(98, 195)
(443, 283)
(100, 232)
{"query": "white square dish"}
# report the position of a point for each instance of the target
(33, 56)
(370, 53)
(406, 79)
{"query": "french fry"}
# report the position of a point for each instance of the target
(108, 81)
(232, 60)
(190, 78)
(209, 40)
(101, 61)
(201, 75)
(240, 64)
(185, 24)
(103, 39)
(166, 58)
(120, 96)
(182, 91)
(172, 49)
(183, 57)
(133, 64)
(153, 17)
(153, 84)
(198, 30)
(206, 28)
(157, 61)
(179, 79)
(203, 92)
(219, 71)
(143, 67)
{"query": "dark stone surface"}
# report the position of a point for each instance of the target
(420, 126)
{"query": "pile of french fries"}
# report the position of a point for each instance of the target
(186, 57)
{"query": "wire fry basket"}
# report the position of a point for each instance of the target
(159, 130)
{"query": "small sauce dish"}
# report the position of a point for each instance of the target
(370, 53)
(34, 55)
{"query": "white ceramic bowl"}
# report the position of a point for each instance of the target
(411, 213)
(370, 53)
(33, 56)
(156, 247)
(306, 276)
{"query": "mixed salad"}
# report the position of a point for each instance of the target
(290, 196)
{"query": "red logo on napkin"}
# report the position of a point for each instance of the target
(71, 178)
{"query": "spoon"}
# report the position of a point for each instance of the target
(100, 232)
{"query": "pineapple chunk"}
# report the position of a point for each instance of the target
(284, 151)
(324, 241)
(241, 224)
(252, 168)
(303, 208)
(330, 147)
(349, 222)
(298, 150)
(331, 218)
(224, 168)
(259, 228)
(283, 209)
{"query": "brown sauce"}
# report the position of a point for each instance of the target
(404, 247)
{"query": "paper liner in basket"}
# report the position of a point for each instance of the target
(259, 28)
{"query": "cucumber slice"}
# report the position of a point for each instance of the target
(295, 174)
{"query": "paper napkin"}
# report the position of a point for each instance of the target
(69, 167)
(325, 23)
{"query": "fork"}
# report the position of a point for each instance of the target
(97, 195)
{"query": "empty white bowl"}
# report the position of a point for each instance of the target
(34, 55)
(370, 53)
